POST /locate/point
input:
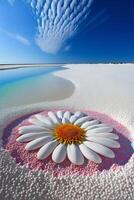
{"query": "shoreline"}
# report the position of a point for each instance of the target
(15, 66)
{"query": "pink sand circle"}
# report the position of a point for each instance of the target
(26, 158)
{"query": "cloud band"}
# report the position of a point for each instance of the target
(58, 21)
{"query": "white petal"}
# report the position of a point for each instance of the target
(100, 129)
(104, 135)
(46, 150)
(81, 120)
(89, 123)
(100, 125)
(46, 120)
(31, 136)
(67, 115)
(73, 118)
(100, 149)
(35, 144)
(60, 114)
(59, 153)
(79, 114)
(74, 154)
(89, 154)
(54, 117)
(65, 121)
(30, 128)
(38, 123)
(105, 141)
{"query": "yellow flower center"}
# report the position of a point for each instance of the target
(69, 133)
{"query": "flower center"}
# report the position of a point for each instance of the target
(69, 133)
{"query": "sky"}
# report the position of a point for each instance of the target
(66, 31)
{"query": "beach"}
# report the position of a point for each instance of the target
(102, 88)
(105, 88)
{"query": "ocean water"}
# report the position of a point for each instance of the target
(25, 86)
(15, 74)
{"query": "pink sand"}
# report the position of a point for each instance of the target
(23, 157)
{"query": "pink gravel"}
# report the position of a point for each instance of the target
(23, 157)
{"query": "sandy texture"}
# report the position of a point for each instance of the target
(20, 183)
(103, 88)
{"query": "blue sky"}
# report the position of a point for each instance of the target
(70, 31)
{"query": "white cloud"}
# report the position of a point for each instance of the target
(58, 21)
(50, 45)
(16, 36)
(22, 39)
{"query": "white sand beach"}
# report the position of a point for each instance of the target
(104, 88)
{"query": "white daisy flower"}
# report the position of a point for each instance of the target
(66, 134)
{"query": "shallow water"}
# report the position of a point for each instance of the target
(32, 85)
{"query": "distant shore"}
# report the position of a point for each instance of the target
(14, 66)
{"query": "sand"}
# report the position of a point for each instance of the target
(104, 88)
